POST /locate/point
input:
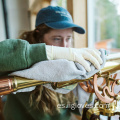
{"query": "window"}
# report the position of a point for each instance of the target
(104, 24)
(62, 3)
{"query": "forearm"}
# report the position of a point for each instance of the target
(16, 54)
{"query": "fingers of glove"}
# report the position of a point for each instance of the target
(92, 59)
(95, 50)
(83, 62)
(96, 55)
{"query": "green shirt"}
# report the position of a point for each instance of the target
(17, 108)
(17, 54)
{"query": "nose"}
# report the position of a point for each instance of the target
(64, 43)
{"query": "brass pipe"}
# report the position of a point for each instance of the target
(11, 84)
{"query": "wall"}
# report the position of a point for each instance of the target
(18, 18)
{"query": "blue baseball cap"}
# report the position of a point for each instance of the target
(57, 18)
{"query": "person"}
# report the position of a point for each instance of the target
(54, 27)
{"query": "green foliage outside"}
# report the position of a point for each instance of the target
(107, 21)
(62, 3)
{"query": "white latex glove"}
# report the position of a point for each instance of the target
(76, 55)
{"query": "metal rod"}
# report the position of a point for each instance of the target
(109, 117)
(5, 18)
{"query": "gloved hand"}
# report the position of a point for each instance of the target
(76, 55)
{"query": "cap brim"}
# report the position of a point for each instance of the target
(65, 25)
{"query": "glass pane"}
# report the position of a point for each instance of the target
(62, 3)
(106, 24)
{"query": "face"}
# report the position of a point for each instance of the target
(59, 37)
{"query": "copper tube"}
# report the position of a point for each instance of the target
(6, 86)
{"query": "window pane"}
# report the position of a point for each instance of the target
(62, 3)
(106, 24)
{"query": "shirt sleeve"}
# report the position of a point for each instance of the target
(16, 54)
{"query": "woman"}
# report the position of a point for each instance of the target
(54, 26)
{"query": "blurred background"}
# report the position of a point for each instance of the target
(100, 18)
